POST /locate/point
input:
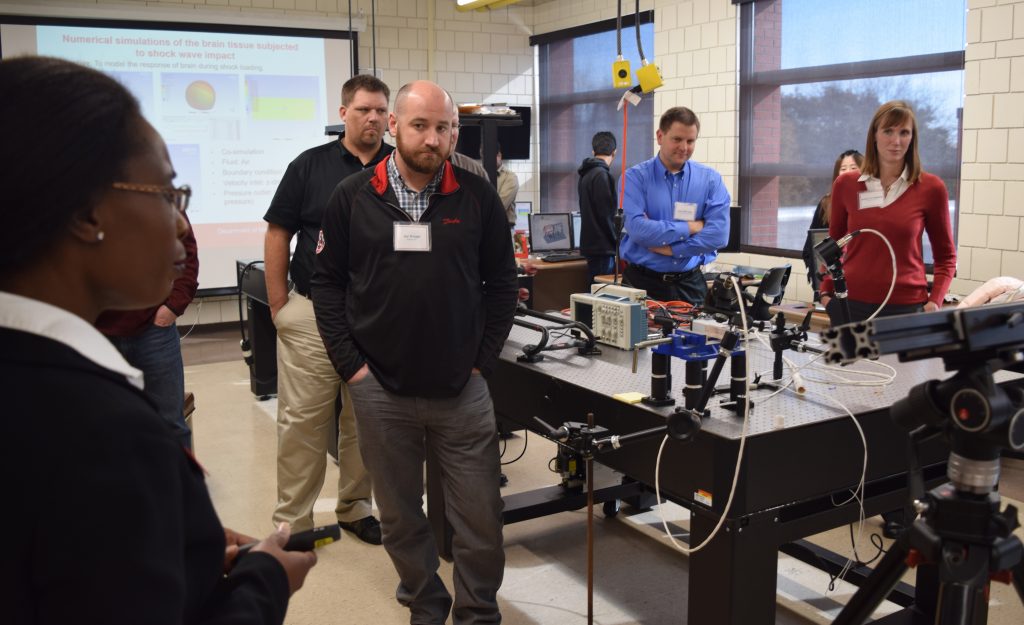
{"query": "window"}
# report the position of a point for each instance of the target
(577, 100)
(812, 75)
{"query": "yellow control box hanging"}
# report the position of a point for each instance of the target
(622, 78)
(649, 77)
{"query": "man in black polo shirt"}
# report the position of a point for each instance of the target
(306, 380)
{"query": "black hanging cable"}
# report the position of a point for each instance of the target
(618, 28)
(373, 19)
(526, 443)
(639, 46)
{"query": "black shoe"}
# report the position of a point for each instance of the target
(366, 529)
(892, 529)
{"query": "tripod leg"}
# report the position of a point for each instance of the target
(1018, 579)
(964, 581)
(878, 585)
(963, 604)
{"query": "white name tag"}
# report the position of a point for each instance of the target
(412, 237)
(870, 199)
(685, 211)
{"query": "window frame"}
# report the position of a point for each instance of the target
(750, 79)
(609, 97)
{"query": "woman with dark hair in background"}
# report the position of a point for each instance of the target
(894, 196)
(108, 517)
(849, 160)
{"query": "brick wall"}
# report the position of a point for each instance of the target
(764, 206)
(991, 230)
(695, 46)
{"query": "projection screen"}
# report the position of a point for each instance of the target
(235, 105)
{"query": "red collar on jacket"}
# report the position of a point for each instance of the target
(380, 177)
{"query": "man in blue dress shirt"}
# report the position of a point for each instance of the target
(676, 215)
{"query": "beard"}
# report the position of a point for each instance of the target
(425, 160)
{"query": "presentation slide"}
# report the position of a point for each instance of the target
(234, 109)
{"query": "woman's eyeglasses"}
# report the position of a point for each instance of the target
(177, 197)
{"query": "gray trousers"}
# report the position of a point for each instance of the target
(394, 434)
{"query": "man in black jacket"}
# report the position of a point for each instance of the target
(597, 206)
(414, 292)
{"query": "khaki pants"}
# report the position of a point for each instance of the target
(307, 387)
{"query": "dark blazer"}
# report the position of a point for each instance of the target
(107, 519)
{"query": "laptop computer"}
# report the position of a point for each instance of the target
(551, 237)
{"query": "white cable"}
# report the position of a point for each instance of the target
(795, 379)
(858, 493)
(199, 309)
(884, 379)
(892, 284)
(798, 381)
(739, 453)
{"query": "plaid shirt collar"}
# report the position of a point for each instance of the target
(410, 201)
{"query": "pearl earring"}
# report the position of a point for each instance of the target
(99, 235)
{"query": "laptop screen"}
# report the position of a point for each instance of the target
(814, 237)
(550, 232)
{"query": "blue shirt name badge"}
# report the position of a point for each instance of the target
(411, 237)
(684, 211)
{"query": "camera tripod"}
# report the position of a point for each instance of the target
(965, 540)
(962, 540)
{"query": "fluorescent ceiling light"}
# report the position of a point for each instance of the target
(480, 5)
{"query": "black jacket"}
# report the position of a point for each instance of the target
(108, 518)
(421, 320)
(817, 221)
(597, 208)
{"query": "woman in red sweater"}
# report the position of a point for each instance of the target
(895, 197)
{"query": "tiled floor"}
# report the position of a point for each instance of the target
(639, 578)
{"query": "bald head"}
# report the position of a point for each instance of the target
(455, 124)
(421, 93)
(422, 126)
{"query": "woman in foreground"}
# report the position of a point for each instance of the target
(107, 518)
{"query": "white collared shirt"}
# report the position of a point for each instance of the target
(899, 185)
(35, 317)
